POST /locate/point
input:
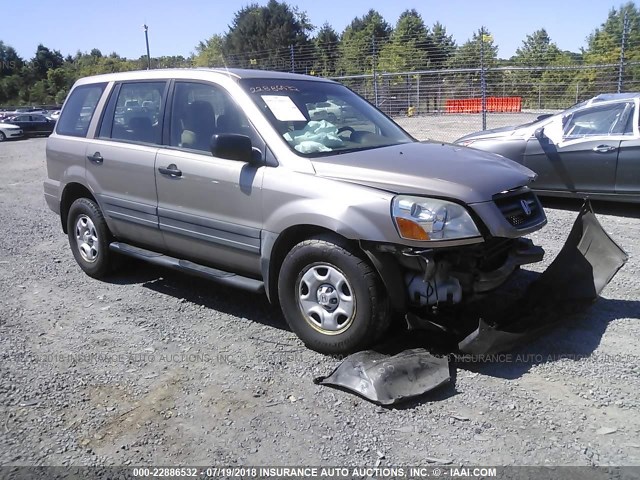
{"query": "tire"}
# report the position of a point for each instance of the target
(332, 299)
(89, 238)
(3, 137)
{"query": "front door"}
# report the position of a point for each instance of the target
(581, 154)
(210, 208)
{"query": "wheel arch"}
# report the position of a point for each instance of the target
(72, 191)
(276, 247)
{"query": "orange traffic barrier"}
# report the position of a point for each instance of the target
(474, 105)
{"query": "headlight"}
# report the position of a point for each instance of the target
(419, 218)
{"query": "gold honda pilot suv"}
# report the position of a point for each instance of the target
(345, 220)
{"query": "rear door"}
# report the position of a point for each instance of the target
(210, 208)
(121, 162)
(584, 156)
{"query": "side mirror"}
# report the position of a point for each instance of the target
(539, 133)
(233, 146)
(543, 116)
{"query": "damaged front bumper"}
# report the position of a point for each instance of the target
(524, 252)
(587, 262)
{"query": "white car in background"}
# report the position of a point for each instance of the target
(8, 131)
(329, 110)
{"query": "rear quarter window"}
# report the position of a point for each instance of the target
(79, 109)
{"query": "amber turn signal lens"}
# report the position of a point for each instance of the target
(411, 230)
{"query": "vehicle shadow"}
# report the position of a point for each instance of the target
(574, 338)
(209, 294)
(619, 209)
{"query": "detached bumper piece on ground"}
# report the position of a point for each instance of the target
(587, 262)
(387, 379)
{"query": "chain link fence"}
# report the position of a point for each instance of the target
(424, 102)
(438, 90)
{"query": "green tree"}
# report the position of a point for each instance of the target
(327, 45)
(468, 56)
(11, 81)
(604, 44)
(10, 61)
(45, 60)
(172, 61)
(10, 87)
(264, 36)
(537, 50)
(538, 53)
(210, 52)
(407, 46)
(361, 43)
(440, 46)
(604, 47)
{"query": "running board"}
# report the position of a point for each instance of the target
(185, 266)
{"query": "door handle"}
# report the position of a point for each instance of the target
(96, 158)
(604, 148)
(172, 170)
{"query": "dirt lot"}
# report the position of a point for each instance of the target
(153, 367)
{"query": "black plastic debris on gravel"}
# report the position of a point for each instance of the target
(402, 369)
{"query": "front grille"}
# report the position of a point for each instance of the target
(522, 209)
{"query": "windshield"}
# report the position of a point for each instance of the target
(322, 118)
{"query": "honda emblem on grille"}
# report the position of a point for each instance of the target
(525, 207)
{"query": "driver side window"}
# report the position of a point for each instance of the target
(599, 121)
(202, 110)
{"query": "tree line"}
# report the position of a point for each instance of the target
(278, 36)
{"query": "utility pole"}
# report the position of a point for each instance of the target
(625, 27)
(146, 37)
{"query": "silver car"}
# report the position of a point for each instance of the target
(589, 150)
(345, 223)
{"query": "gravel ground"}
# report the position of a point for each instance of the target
(450, 127)
(153, 367)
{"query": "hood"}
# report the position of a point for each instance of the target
(493, 133)
(434, 169)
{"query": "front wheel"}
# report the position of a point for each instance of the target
(2, 137)
(331, 297)
(89, 237)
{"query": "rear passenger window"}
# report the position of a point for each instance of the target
(136, 116)
(79, 109)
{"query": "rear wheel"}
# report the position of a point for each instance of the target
(331, 297)
(89, 237)
(2, 137)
